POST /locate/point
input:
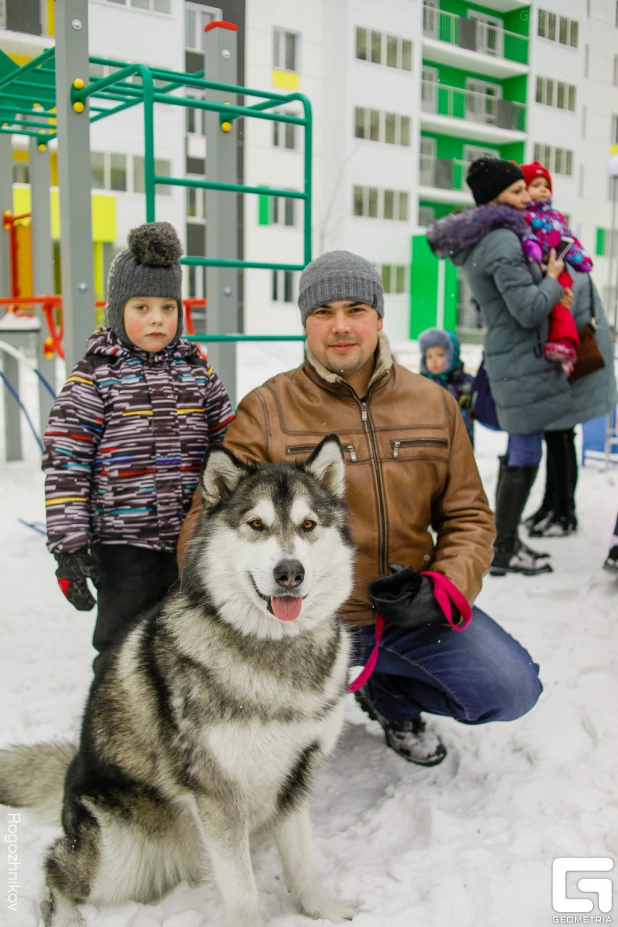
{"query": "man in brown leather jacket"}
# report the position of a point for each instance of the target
(410, 468)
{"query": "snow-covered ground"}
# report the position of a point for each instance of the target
(467, 844)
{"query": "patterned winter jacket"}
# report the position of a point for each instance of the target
(125, 443)
(547, 227)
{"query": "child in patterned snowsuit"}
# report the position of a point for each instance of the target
(547, 227)
(440, 361)
(126, 439)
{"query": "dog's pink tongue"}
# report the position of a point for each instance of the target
(286, 607)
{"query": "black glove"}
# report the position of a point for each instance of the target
(73, 570)
(406, 598)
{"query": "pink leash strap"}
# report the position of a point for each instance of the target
(370, 665)
(446, 593)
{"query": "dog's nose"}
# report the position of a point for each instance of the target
(289, 573)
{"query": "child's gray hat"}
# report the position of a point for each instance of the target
(339, 275)
(436, 338)
(149, 267)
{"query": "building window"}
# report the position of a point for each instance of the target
(614, 134)
(21, 174)
(426, 215)
(284, 134)
(556, 160)
(285, 50)
(393, 51)
(118, 172)
(558, 28)
(163, 168)
(153, 6)
(282, 286)
(391, 128)
(196, 203)
(196, 17)
(282, 211)
(393, 277)
(97, 170)
(556, 93)
(374, 203)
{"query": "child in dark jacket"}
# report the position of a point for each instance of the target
(126, 439)
(547, 227)
(440, 361)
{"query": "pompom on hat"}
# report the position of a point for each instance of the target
(148, 267)
(534, 170)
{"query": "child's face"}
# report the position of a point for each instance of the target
(435, 360)
(150, 322)
(539, 189)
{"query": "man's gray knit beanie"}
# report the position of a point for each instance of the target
(339, 275)
(149, 267)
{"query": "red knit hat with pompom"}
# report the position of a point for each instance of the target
(536, 169)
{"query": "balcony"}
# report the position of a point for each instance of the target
(443, 180)
(475, 44)
(451, 110)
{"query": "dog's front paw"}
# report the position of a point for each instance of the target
(329, 909)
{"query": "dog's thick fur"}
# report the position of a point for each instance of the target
(212, 716)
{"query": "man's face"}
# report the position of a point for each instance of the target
(515, 195)
(343, 336)
(539, 189)
(435, 360)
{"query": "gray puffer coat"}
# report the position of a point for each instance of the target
(595, 394)
(530, 392)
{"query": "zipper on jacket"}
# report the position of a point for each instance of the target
(376, 460)
(417, 442)
(307, 448)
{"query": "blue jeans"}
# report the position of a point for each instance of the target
(478, 675)
(525, 450)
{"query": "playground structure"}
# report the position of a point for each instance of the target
(54, 96)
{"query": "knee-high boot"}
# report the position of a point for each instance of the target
(511, 555)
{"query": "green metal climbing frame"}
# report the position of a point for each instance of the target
(28, 106)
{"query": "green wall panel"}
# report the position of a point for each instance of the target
(423, 286)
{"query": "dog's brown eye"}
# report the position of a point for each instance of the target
(256, 524)
(308, 525)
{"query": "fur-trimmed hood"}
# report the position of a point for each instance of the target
(451, 236)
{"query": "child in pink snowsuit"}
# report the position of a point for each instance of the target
(547, 227)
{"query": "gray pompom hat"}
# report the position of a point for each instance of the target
(149, 267)
(339, 275)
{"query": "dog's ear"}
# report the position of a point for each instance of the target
(327, 465)
(221, 474)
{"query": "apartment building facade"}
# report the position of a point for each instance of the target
(405, 95)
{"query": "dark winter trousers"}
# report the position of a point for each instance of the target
(478, 675)
(133, 580)
(561, 473)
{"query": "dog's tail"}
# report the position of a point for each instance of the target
(33, 777)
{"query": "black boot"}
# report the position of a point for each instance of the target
(562, 464)
(511, 555)
(412, 739)
(534, 554)
(546, 510)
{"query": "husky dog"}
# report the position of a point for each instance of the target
(214, 713)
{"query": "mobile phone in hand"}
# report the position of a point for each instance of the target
(564, 247)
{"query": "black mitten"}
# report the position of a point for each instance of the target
(73, 571)
(406, 598)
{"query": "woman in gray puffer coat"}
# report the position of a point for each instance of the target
(593, 395)
(530, 392)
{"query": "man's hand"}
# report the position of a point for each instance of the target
(406, 598)
(567, 298)
(73, 571)
(554, 266)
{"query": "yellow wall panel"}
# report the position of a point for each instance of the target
(103, 213)
(287, 80)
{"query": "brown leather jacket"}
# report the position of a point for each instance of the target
(410, 466)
